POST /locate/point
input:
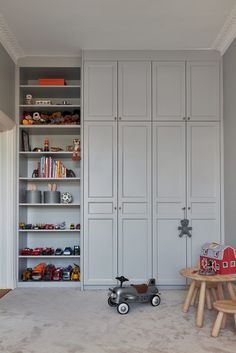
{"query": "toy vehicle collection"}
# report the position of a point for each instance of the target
(50, 251)
(120, 296)
(44, 272)
(48, 226)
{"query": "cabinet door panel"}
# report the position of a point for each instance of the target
(100, 90)
(203, 90)
(168, 84)
(203, 185)
(100, 203)
(169, 199)
(134, 90)
(134, 195)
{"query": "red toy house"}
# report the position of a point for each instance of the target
(218, 258)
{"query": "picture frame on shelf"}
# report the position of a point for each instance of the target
(25, 141)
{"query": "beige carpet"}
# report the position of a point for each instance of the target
(69, 321)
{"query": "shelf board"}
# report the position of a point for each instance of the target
(50, 86)
(49, 204)
(49, 179)
(40, 154)
(49, 256)
(74, 284)
(49, 105)
(49, 230)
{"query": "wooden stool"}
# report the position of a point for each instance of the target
(212, 294)
(224, 307)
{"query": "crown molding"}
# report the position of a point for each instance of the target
(227, 33)
(9, 41)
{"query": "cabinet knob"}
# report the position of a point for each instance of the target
(115, 117)
(183, 208)
(188, 117)
(115, 208)
(184, 118)
(119, 117)
(189, 208)
(120, 208)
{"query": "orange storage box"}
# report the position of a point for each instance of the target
(51, 82)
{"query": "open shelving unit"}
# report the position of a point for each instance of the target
(59, 136)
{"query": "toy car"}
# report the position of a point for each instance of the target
(49, 272)
(58, 252)
(21, 225)
(49, 226)
(119, 297)
(38, 271)
(37, 251)
(76, 250)
(48, 251)
(57, 276)
(26, 252)
(60, 226)
(66, 273)
(72, 226)
(26, 275)
(77, 226)
(28, 226)
(68, 251)
(75, 275)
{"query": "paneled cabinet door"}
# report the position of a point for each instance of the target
(203, 90)
(134, 81)
(203, 185)
(168, 90)
(134, 201)
(169, 200)
(100, 90)
(100, 203)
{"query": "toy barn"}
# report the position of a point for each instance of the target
(218, 258)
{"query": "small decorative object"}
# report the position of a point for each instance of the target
(35, 173)
(66, 197)
(28, 99)
(120, 297)
(70, 148)
(43, 102)
(70, 173)
(27, 120)
(36, 117)
(77, 250)
(52, 195)
(25, 141)
(56, 149)
(26, 275)
(217, 259)
(51, 81)
(76, 152)
(65, 103)
(37, 149)
(72, 226)
(185, 228)
(46, 145)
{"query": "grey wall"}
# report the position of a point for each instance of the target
(7, 83)
(229, 87)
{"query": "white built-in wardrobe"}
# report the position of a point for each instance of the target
(151, 158)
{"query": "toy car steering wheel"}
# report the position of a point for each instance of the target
(122, 279)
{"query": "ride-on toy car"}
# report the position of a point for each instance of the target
(119, 297)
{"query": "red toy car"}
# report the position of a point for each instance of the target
(26, 252)
(49, 272)
(37, 251)
(57, 276)
(49, 226)
(48, 251)
(38, 272)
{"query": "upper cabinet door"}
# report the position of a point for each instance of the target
(168, 90)
(100, 90)
(134, 81)
(203, 91)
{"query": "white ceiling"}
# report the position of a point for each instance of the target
(63, 27)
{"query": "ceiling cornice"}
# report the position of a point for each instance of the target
(9, 41)
(227, 33)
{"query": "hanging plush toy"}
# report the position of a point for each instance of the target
(76, 151)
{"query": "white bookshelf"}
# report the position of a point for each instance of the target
(59, 136)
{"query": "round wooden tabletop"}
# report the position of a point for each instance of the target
(193, 274)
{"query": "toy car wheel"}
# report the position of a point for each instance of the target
(110, 302)
(123, 308)
(155, 301)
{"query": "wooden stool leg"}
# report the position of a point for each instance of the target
(223, 321)
(197, 297)
(231, 291)
(194, 296)
(213, 293)
(200, 310)
(216, 328)
(208, 299)
(235, 320)
(189, 297)
(220, 292)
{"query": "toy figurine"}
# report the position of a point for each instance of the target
(75, 275)
(119, 297)
(185, 228)
(28, 99)
(76, 152)
(26, 275)
(46, 145)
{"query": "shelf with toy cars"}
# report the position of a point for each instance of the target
(49, 172)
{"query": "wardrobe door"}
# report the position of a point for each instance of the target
(168, 90)
(203, 185)
(100, 90)
(100, 203)
(169, 200)
(203, 90)
(134, 200)
(134, 82)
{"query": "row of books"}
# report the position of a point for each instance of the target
(48, 167)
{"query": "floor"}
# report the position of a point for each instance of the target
(69, 321)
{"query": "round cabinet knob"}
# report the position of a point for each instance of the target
(183, 208)
(184, 118)
(119, 117)
(189, 208)
(115, 118)
(188, 117)
(115, 208)
(120, 208)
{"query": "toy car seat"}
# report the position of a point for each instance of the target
(140, 288)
